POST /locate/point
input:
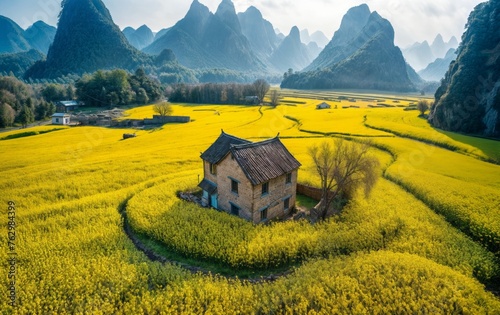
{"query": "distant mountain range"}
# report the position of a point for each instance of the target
(140, 38)
(13, 39)
(468, 99)
(361, 55)
(291, 53)
(436, 70)
(259, 32)
(420, 55)
(203, 39)
(317, 37)
(87, 40)
(222, 46)
(17, 63)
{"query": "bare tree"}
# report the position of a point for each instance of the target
(261, 88)
(275, 98)
(163, 109)
(343, 167)
(423, 106)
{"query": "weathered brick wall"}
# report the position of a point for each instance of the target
(207, 175)
(249, 199)
(230, 168)
(274, 201)
(157, 120)
(311, 192)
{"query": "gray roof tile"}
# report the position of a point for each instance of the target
(264, 160)
(220, 148)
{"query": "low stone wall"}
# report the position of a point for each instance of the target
(159, 120)
(309, 191)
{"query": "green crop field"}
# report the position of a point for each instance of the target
(427, 239)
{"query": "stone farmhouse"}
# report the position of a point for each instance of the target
(255, 181)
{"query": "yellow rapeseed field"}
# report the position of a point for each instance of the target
(423, 242)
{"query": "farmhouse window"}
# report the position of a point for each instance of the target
(57, 120)
(234, 186)
(213, 169)
(235, 210)
(263, 214)
(265, 189)
(288, 178)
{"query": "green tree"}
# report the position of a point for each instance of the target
(25, 116)
(142, 96)
(343, 167)
(70, 92)
(44, 110)
(53, 93)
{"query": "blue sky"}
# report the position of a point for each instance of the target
(413, 20)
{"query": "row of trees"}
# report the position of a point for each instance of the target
(218, 93)
(22, 103)
(117, 87)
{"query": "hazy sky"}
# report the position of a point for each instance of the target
(413, 20)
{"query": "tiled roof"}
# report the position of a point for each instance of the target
(264, 160)
(69, 103)
(220, 148)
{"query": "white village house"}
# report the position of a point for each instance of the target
(255, 181)
(61, 119)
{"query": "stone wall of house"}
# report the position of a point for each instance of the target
(227, 169)
(207, 175)
(250, 199)
(279, 190)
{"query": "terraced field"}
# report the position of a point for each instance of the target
(425, 241)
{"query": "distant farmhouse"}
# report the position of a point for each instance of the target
(323, 106)
(255, 181)
(61, 119)
(252, 100)
(68, 106)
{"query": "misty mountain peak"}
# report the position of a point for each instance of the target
(227, 14)
(359, 13)
(453, 42)
(253, 11)
(197, 9)
(294, 33)
(352, 23)
(226, 7)
(438, 40)
(384, 25)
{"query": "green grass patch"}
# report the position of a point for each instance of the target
(306, 202)
(489, 146)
